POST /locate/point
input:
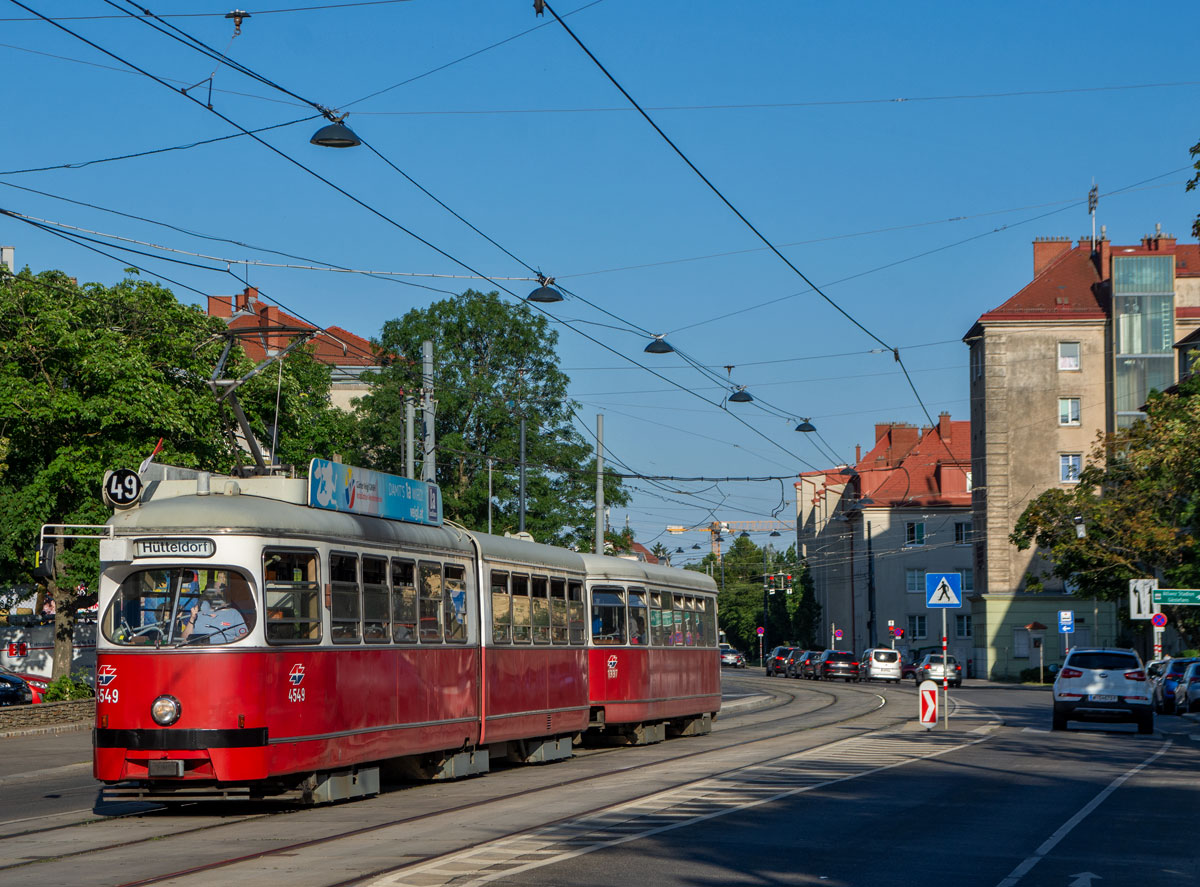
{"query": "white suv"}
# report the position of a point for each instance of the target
(1103, 685)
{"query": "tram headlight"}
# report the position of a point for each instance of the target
(165, 710)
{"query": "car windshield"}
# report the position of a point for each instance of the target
(1178, 666)
(841, 656)
(1103, 659)
(179, 606)
(937, 660)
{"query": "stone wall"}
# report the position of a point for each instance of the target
(47, 714)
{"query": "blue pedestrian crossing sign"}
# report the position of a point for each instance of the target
(943, 590)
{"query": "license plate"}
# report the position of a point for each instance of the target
(1101, 698)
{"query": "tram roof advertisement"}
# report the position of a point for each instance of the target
(337, 487)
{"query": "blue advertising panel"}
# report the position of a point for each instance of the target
(338, 487)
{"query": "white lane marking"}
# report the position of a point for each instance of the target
(666, 811)
(1063, 830)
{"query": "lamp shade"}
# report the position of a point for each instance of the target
(658, 346)
(806, 426)
(741, 396)
(335, 135)
(545, 293)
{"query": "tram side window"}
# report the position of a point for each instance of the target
(345, 600)
(501, 609)
(541, 610)
(689, 623)
(710, 622)
(656, 619)
(431, 603)
(293, 599)
(456, 604)
(521, 610)
(375, 600)
(558, 610)
(677, 620)
(608, 615)
(576, 612)
(404, 602)
(637, 616)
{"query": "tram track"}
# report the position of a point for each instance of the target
(763, 722)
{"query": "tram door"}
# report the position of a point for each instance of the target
(609, 636)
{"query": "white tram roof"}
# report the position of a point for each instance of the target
(276, 507)
(625, 570)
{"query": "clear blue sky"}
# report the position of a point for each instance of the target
(915, 216)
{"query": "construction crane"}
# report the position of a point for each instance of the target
(716, 528)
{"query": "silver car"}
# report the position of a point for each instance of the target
(879, 664)
(930, 669)
(1187, 691)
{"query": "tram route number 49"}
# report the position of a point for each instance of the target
(122, 488)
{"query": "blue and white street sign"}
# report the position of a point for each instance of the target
(943, 590)
(1066, 621)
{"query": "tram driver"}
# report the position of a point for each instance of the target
(213, 615)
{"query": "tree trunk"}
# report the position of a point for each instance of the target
(64, 620)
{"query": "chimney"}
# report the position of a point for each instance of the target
(220, 306)
(1159, 242)
(8, 257)
(251, 300)
(857, 453)
(944, 426)
(1046, 250)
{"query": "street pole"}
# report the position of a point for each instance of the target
(764, 598)
(945, 672)
(429, 454)
(599, 483)
(410, 419)
(489, 496)
(521, 493)
(872, 634)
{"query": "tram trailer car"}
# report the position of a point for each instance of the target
(654, 667)
(251, 646)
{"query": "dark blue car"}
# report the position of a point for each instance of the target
(14, 690)
(1164, 687)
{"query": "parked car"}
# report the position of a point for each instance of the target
(1187, 689)
(931, 669)
(802, 666)
(19, 689)
(791, 668)
(1164, 683)
(776, 660)
(732, 658)
(836, 664)
(880, 664)
(908, 669)
(1102, 684)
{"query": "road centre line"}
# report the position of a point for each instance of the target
(666, 811)
(1049, 844)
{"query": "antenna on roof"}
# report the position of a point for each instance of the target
(1093, 199)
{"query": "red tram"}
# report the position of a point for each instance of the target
(253, 644)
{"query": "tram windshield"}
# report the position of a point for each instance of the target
(178, 607)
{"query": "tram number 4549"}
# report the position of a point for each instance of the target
(296, 694)
(105, 694)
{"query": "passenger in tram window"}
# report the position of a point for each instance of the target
(637, 631)
(597, 622)
(214, 616)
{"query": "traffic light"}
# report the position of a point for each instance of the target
(788, 583)
(892, 630)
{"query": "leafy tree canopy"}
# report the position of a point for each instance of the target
(494, 363)
(1138, 499)
(90, 378)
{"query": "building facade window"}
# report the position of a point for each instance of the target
(916, 627)
(968, 580)
(964, 533)
(1069, 466)
(1020, 648)
(914, 580)
(1068, 411)
(962, 625)
(1143, 293)
(1068, 355)
(914, 533)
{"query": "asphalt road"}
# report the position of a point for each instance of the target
(837, 787)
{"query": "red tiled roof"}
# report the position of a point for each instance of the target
(334, 346)
(1068, 287)
(1187, 260)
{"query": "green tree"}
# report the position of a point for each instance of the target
(1138, 500)
(90, 378)
(494, 363)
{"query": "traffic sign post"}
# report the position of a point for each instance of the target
(942, 592)
(1066, 625)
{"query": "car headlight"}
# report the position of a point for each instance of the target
(165, 710)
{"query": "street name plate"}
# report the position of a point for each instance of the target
(1177, 596)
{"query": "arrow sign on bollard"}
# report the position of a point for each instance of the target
(927, 711)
